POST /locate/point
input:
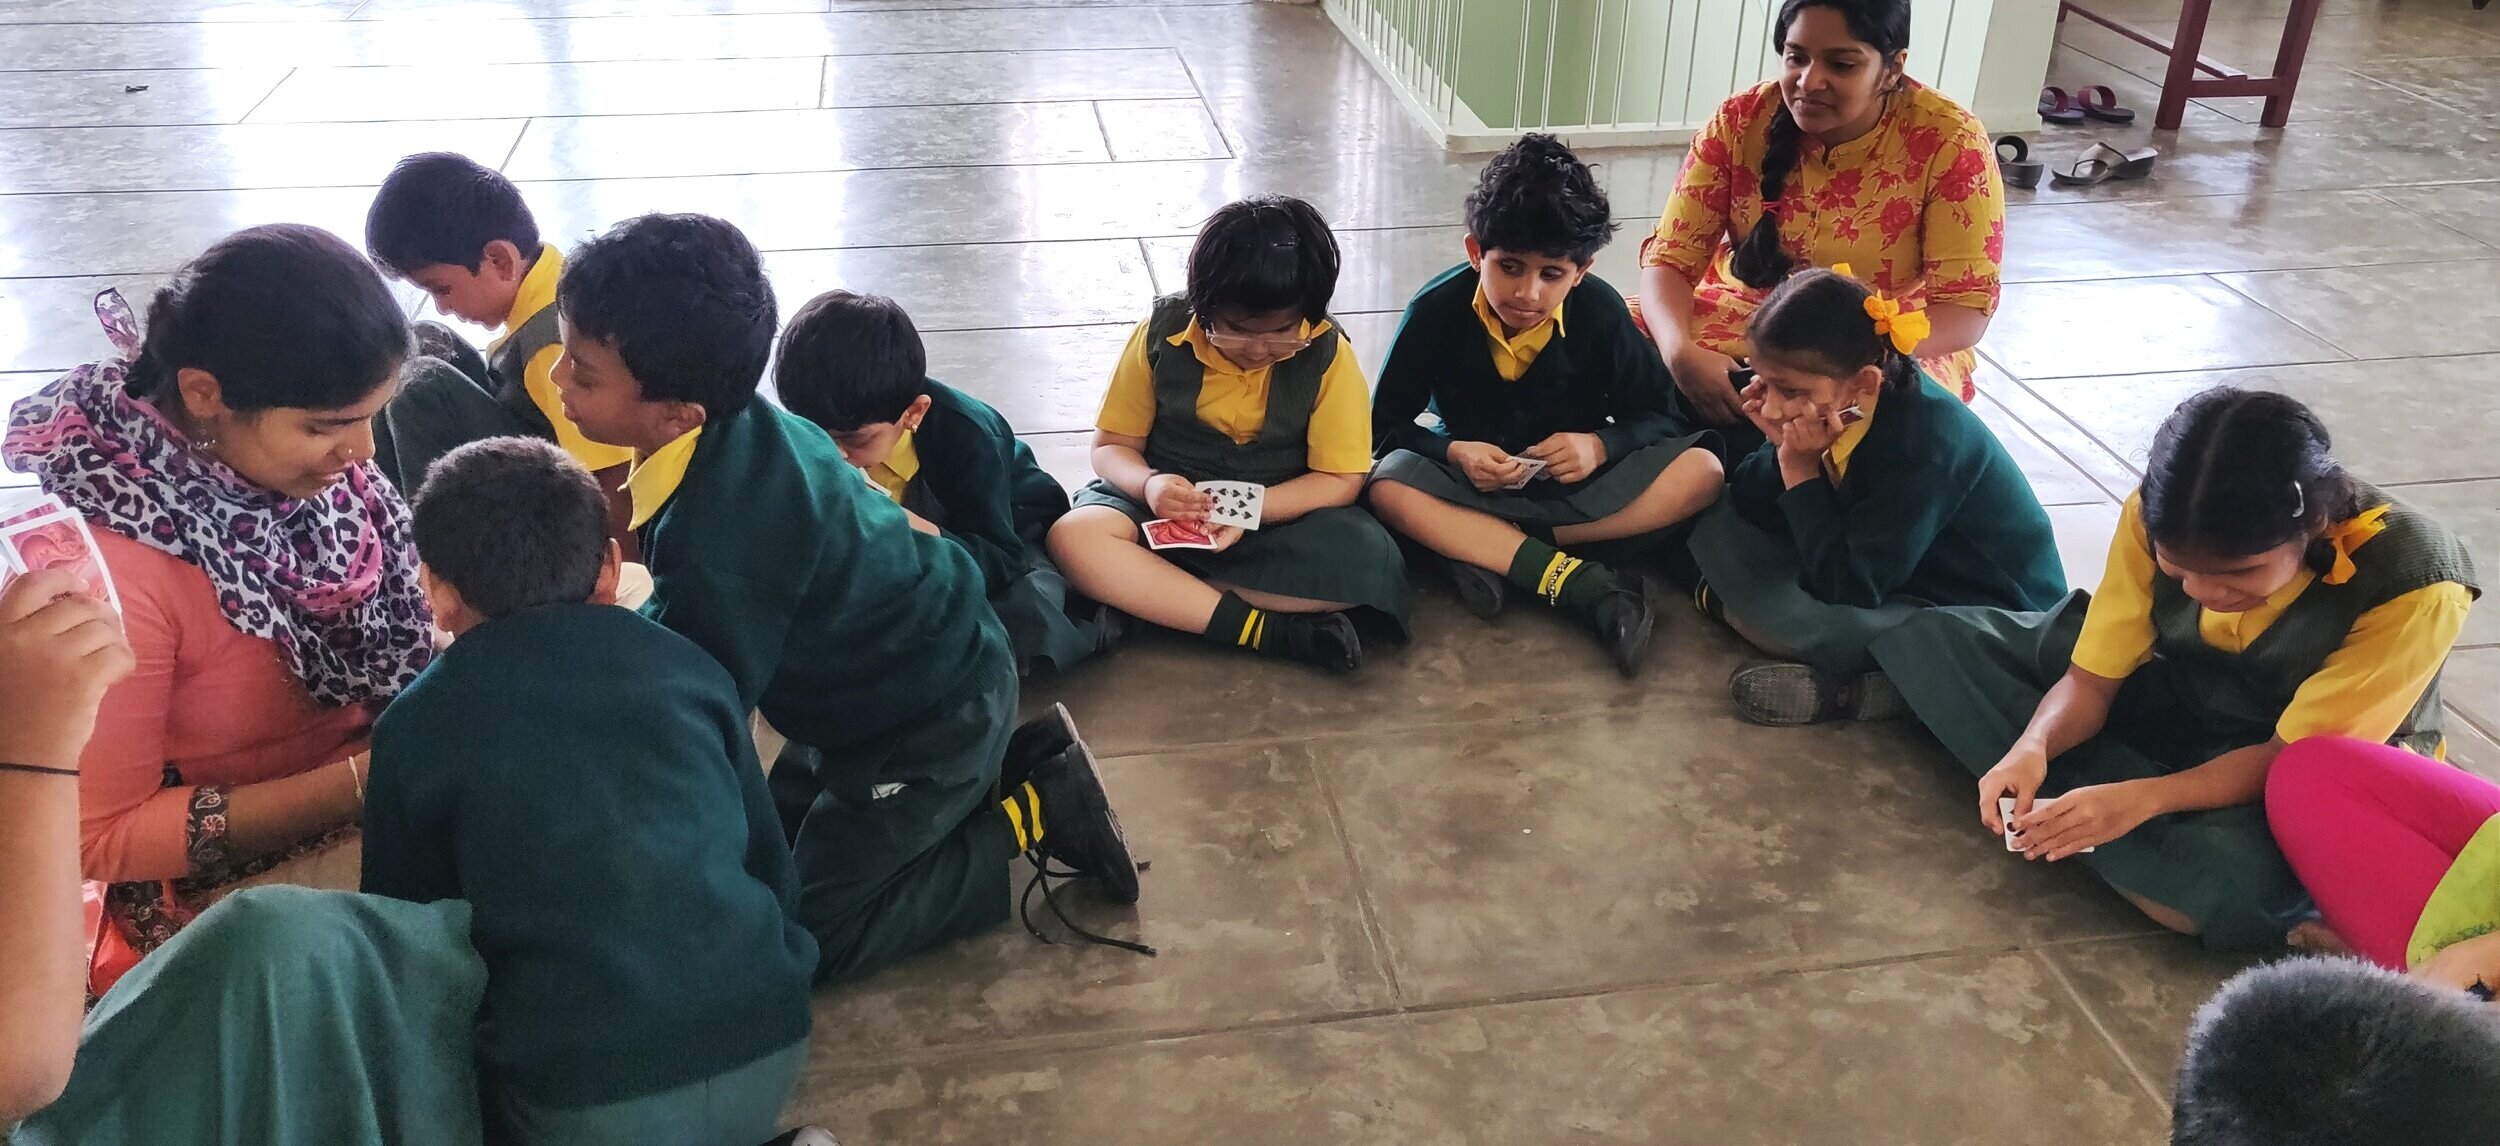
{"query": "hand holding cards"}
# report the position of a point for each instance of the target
(1161, 534)
(37, 532)
(2005, 815)
(1530, 469)
(1237, 503)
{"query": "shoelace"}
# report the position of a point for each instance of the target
(1042, 874)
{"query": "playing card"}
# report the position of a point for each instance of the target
(31, 542)
(2005, 815)
(1237, 503)
(1162, 534)
(1535, 469)
(18, 505)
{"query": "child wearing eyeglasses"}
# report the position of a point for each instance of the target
(1243, 378)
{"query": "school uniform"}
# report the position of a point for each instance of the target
(859, 638)
(1919, 505)
(583, 778)
(2355, 650)
(1208, 420)
(1586, 369)
(510, 391)
(965, 471)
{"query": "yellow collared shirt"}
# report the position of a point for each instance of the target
(1234, 401)
(1513, 354)
(894, 474)
(1836, 459)
(655, 479)
(2365, 689)
(538, 376)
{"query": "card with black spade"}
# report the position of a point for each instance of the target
(1237, 503)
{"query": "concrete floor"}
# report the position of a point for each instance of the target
(1485, 891)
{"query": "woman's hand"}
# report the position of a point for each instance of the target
(1485, 465)
(2084, 818)
(1702, 374)
(1572, 457)
(1174, 498)
(2462, 964)
(59, 651)
(2019, 774)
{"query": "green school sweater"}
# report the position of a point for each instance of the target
(979, 484)
(836, 618)
(1932, 507)
(585, 780)
(1599, 375)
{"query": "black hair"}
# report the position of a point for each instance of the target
(1536, 197)
(439, 208)
(2337, 1052)
(849, 360)
(284, 315)
(2236, 472)
(1818, 317)
(684, 301)
(512, 523)
(1883, 25)
(1264, 254)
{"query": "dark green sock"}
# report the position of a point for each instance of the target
(1236, 624)
(1560, 579)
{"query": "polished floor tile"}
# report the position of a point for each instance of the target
(2378, 421)
(107, 11)
(108, 98)
(2471, 685)
(1161, 129)
(2143, 991)
(2105, 469)
(1043, 379)
(145, 232)
(485, 91)
(235, 156)
(2470, 748)
(2127, 326)
(2054, 479)
(2083, 533)
(755, 142)
(998, 77)
(1023, 285)
(2218, 233)
(49, 325)
(402, 9)
(2387, 311)
(1904, 1053)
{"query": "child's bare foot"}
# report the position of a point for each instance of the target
(2314, 937)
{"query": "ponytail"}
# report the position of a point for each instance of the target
(1758, 261)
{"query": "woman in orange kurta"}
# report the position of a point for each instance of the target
(1860, 165)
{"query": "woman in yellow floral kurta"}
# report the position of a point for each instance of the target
(1888, 175)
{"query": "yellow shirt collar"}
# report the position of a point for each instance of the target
(1195, 336)
(1851, 434)
(1512, 355)
(655, 478)
(538, 290)
(894, 474)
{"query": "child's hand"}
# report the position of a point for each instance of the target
(1570, 457)
(1749, 400)
(1486, 466)
(1223, 536)
(2462, 964)
(1174, 498)
(2019, 774)
(2084, 818)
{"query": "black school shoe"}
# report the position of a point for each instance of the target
(1478, 589)
(1078, 831)
(1785, 693)
(1626, 619)
(806, 1136)
(1325, 640)
(1032, 742)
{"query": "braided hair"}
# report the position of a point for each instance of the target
(1537, 197)
(2234, 473)
(1818, 319)
(1881, 24)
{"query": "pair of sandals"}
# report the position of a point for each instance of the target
(2096, 102)
(2099, 163)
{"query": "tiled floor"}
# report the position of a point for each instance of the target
(1485, 891)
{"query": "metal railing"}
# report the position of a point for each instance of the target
(1604, 71)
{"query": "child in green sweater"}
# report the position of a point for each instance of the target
(583, 778)
(869, 644)
(854, 364)
(1546, 435)
(1876, 493)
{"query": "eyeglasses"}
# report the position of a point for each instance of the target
(1279, 344)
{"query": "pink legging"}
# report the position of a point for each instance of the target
(2371, 829)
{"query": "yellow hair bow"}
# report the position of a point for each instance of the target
(2346, 536)
(1907, 328)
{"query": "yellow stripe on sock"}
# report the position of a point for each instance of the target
(1015, 819)
(1033, 800)
(1258, 636)
(1249, 630)
(1557, 571)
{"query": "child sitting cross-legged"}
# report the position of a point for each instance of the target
(1242, 379)
(584, 779)
(1559, 432)
(854, 364)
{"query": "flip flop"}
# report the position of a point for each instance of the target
(2101, 163)
(2020, 169)
(2058, 107)
(2104, 108)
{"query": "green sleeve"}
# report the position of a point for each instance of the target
(1858, 554)
(974, 478)
(1640, 395)
(1754, 487)
(1405, 390)
(407, 843)
(742, 622)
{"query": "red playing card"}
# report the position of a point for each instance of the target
(59, 542)
(1177, 535)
